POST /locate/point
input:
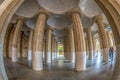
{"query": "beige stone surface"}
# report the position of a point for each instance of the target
(28, 9)
(103, 36)
(37, 42)
(30, 45)
(111, 9)
(58, 6)
(48, 46)
(79, 41)
(90, 43)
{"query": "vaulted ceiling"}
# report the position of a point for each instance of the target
(58, 9)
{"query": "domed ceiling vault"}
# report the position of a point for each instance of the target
(59, 21)
(59, 33)
(90, 8)
(31, 22)
(59, 8)
(28, 9)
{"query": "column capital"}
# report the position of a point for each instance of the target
(75, 10)
(43, 11)
(21, 18)
(69, 28)
(89, 29)
(48, 28)
(98, 17)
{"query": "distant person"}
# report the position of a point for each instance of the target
(111, 51)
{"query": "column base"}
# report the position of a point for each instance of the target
(37, 61)
(73, 57)
(29, 54)
(90, 57)
(80, 64)
(48, 57)
(56, 55)
(14, 55)
(53, 56)
(43, 55)
(67, 56)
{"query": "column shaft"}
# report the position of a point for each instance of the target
(37, 42)
(87, 49)
(109, 39)
(52, 46)
(65, 51)
(79, 41)
(55, 49)
(10, 41)
(30, 44)
(68, 46)
(15, 40)
(90, 43)
(21, 44)
(94, 45)
(7, 40)
(43, 49)
(104, 39)
(48, 46)
(71, 42)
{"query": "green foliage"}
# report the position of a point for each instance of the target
(60, 48)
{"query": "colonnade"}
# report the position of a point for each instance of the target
(111, 9)
(75, 46)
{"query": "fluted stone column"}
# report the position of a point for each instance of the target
(87, 50)
(37, 42)
(7, 40)
(15, 39)
(79, 41)
(71, 42)
(65, 55)
(10, 42)
(109, 39)
(90, 43)
(30, 44)
(103, 35)
(55, 49)
(113, 39)
(94, 45)
(21, 44)
(68, 46)
(43, 49)
(52, 47)
(100, 43)
(48, 46)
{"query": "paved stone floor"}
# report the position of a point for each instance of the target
(60, 69)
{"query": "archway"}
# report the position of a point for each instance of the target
(111, 8)
(8, 8)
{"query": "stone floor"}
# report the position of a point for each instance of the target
(60, 69)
